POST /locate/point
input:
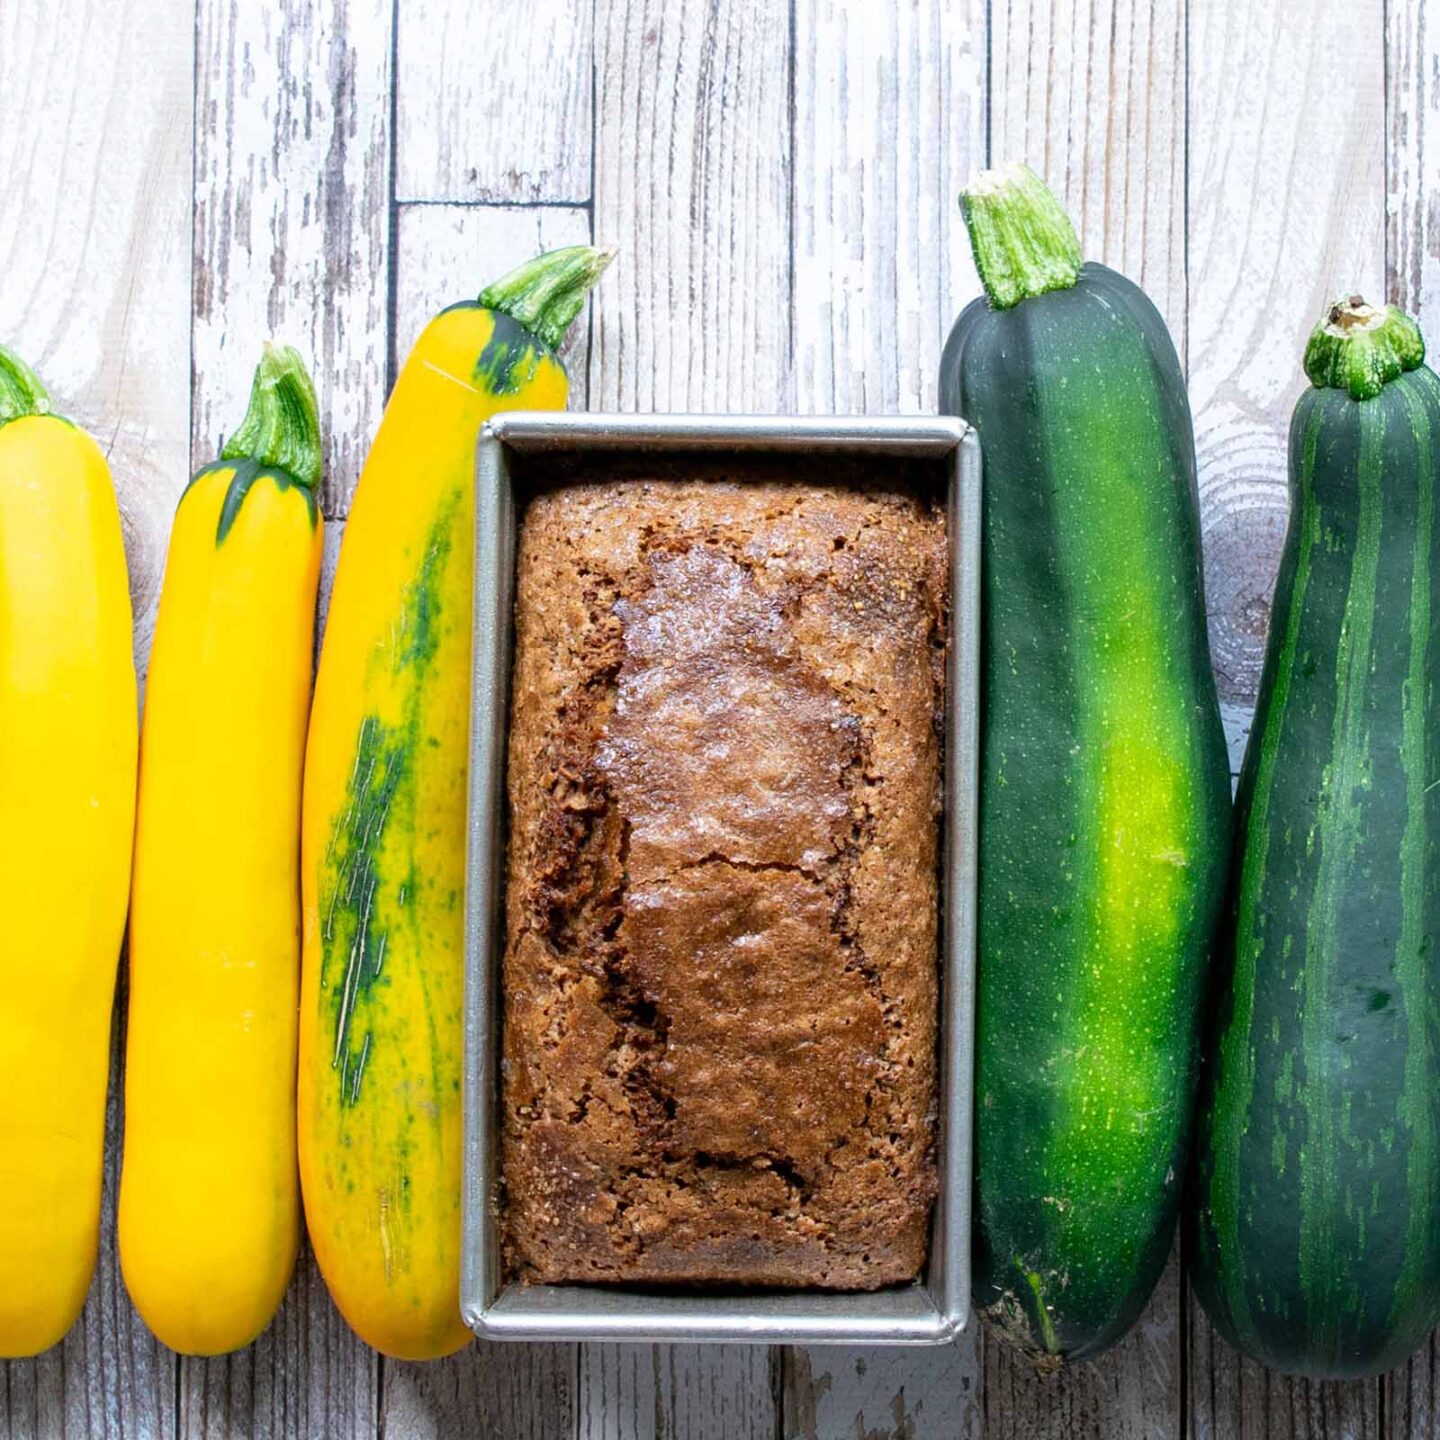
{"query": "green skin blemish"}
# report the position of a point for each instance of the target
(353, 939)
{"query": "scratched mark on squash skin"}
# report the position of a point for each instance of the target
(353, 937)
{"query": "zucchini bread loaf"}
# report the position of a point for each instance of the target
(720, 971)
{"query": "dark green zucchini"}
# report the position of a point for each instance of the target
(1317, 1198)
(1105, 793)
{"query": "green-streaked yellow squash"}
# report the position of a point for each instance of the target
(209, 1190)
(384, 819)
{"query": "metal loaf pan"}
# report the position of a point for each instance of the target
(518, 453)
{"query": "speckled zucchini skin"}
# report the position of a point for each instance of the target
(1317, 1194)
(1104, 804)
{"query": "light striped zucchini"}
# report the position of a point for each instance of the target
(1317, 1200)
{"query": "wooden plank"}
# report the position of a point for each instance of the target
(94, 242)
(678, 1392)
(882, 1393)
(1411, 1395)
(1412, 160)
(445, 253)
(692, 182)
(1092, 96)
(1286, 210)
(1287, 207)
(1133, 1392)
(494, 102)
(881, 262)
(95, 143)
(523, 1392)
(292, 212)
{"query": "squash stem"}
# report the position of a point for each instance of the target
(282, 426)
(21, 392)
(1361, 348)
(547, 293)
(1022, 239)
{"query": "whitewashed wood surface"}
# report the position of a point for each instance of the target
(181, 178)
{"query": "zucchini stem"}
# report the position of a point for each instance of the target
(547, 293)
(1021, 237)
(21, 392)
(1361, 348)
(281, 428)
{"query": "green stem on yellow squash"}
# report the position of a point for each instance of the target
(282, 426)
(547, 293)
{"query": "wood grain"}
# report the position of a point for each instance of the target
(520, 1391)
(880, 1393)
(94, 291)
(1410, 1396)
(292, 213)
(95, 242)
(1090, 93)
(1231, 1398)
(881, 262)
(678, 1392)
(494, 101)
(1286, 210)
(1412, 159)
(697, 313)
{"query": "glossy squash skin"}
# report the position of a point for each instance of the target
(384, 824)
(209, 1219)
(1104, 792)
(67, 803)
(1315, 1207)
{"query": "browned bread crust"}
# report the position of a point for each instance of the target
(720, 969)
